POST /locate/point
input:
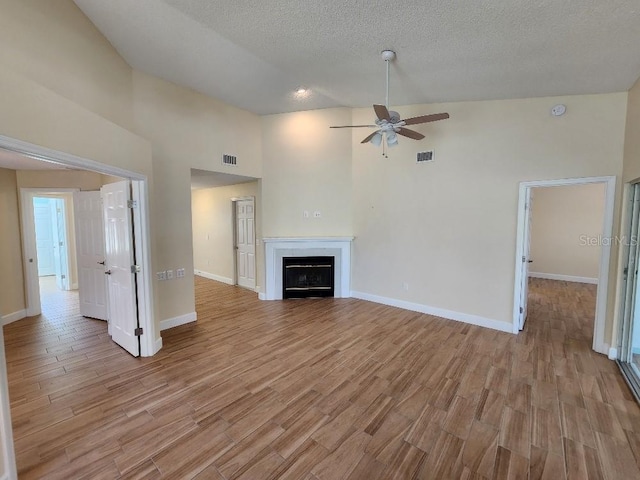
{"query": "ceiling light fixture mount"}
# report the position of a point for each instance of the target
(388, 55)
(301, 91)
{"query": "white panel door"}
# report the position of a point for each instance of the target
(58, 218)
(123, 312)
(44, 236)
(525, 260)
(92, 282)
(246, 243)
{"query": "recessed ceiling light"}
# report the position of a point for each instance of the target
(301, 92)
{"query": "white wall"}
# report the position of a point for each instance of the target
(212, 223)
(566, 232)
(448, 229)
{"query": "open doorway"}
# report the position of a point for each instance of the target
(226, 227)
(564, 232)
(34, 169)
(55, 250)
(53, 233)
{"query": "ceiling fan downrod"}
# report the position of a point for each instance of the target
(387, 56)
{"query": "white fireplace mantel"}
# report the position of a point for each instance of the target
(276, 248)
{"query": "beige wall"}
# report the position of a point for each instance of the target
(307, 166)
(448, 229)
(55, 45)
(59, 179)
(213, 228)
(187, 130)
(566, 223)
(632, 137)
(12, 281)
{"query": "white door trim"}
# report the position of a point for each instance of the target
(29, 248)
(150, 340)
(7, 451)
(605, 256)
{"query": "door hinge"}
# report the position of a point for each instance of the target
(524, 259)
(135, 269)
(521, 310)
(138, 331)
(63, 276)
(132, 203)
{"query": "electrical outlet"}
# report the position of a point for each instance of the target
(180, 273)
(161, 275)
(305, 214)
(317, 214)
(405, 285)
(169, 274)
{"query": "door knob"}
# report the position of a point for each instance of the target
(108, 272)
(101, 263)
(529, 261)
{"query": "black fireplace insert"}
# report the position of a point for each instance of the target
(307, 277)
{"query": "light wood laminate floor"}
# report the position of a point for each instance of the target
(323, 389)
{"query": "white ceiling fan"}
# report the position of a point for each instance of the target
(389, 124)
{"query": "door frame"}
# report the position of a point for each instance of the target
(234, 229)
(7, 451)
(524, 190)
(150, 340)
(29, 246)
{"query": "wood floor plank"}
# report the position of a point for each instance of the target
(581, 461)
(322, 389)
(344, 460)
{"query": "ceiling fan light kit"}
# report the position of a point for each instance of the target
(389, 123)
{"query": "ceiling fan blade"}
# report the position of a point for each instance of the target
(405, 132)
(369, 137)
(426, 118)
(382, 112)
(354, 126)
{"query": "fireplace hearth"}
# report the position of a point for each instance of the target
(304, 277)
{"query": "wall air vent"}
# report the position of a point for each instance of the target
(229, 160)
(425, 156)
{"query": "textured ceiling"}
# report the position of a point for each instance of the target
(253, 54)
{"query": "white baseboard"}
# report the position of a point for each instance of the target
(262, 296)
(74, 286)
(438, 312)
(14, 317)
(177, 321)
(613, 353)
(213, 276)
(158, 345)
(563, 278)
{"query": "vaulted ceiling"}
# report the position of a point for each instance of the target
(253, 54)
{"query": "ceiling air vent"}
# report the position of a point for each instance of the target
(229, 160)
(425, 156)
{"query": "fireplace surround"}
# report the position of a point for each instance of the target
(276, 248)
